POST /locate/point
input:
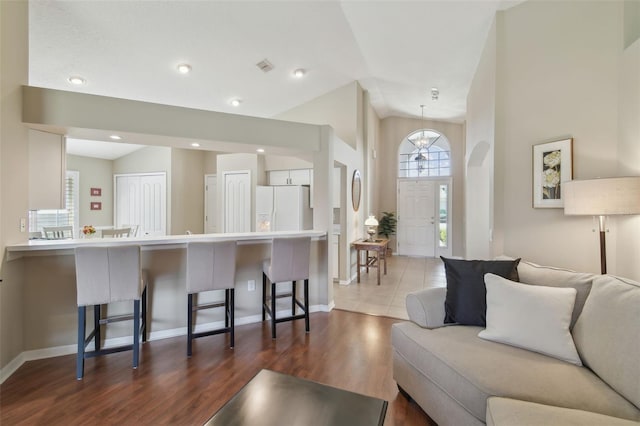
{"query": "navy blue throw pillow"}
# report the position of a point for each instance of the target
(466, 300)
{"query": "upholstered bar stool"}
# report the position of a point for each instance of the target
(106, 275)
(289, 262)
(211, 266)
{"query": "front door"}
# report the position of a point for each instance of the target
(416, 217)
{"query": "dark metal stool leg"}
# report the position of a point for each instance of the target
(273, 310)
(226, 308)
(96, 326)
(136, 332)
(306, 305)
(144, 315)
(82, 310)
(293, 297)
(264, 294)
(189, 322)
(231, 313)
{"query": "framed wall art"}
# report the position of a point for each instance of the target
(96, 192)
(552, 166)
(96, 205)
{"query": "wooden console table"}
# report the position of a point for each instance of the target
(379, 247)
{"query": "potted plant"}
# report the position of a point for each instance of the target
(387, 225)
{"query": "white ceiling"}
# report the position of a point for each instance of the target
(99, 149)
(397, 50)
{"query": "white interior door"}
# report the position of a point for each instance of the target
(416, 217)
(154, 211)
(210, 204)
(237, 201)
(141, 199)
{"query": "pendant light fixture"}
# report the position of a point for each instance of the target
(423, 141)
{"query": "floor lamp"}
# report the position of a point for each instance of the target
(602, 198)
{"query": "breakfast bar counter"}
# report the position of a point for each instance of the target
(49, 309)
(157, 243)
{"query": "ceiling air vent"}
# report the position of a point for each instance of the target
(265, 65)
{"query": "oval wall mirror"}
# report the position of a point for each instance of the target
(356, 190)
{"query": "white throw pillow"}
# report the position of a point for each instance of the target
(536, 318)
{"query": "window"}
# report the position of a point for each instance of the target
(443, 213)
(69, 216)
(424, 153)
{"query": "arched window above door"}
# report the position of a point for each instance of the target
(424, 153)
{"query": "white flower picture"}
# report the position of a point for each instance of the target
(552, 165)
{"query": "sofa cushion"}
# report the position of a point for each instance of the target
(509, 412)
(465, 302)
(531, 273)
(470, 370)
(607, 334)
(530, 317)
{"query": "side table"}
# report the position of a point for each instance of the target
(378, 247)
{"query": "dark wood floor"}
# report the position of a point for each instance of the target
(347, 350)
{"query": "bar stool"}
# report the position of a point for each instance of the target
(211, 266)
(289, 262)
(105, 275)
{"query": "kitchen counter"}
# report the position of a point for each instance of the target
(48, 289)
(155, 243)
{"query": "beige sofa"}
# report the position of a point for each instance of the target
(461, 379)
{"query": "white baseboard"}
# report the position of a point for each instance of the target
(32, 355)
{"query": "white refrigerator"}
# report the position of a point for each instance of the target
(283, 208)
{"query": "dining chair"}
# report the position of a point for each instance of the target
(57, 232)
(289, 262)
(116, 233)
(106, 275)
(211, 266)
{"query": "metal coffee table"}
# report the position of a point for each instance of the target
(272, 398)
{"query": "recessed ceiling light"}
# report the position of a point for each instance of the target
(184, 68)
(115, 137)
(236, 102)
(76, 80)
(260, 150)
(299, 73)
(195, 144)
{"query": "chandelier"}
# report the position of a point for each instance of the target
(423, 141)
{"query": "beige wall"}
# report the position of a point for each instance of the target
(14, 176)
(94, 173)
(187, 191)
(629, 156)
(354, 134)
(548, 87)
(392, 131)
(281, 162)
(480, 156)
(337, 108)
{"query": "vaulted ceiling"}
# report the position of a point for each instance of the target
(397, 51)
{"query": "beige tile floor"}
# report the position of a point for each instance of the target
(404, 275)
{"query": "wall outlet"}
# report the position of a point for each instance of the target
(252, 285)
(23, 224)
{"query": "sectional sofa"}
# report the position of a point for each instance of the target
(459, 378)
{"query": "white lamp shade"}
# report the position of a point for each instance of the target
(371, 221)
(602, 197)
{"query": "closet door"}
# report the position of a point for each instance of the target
(141, 199)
